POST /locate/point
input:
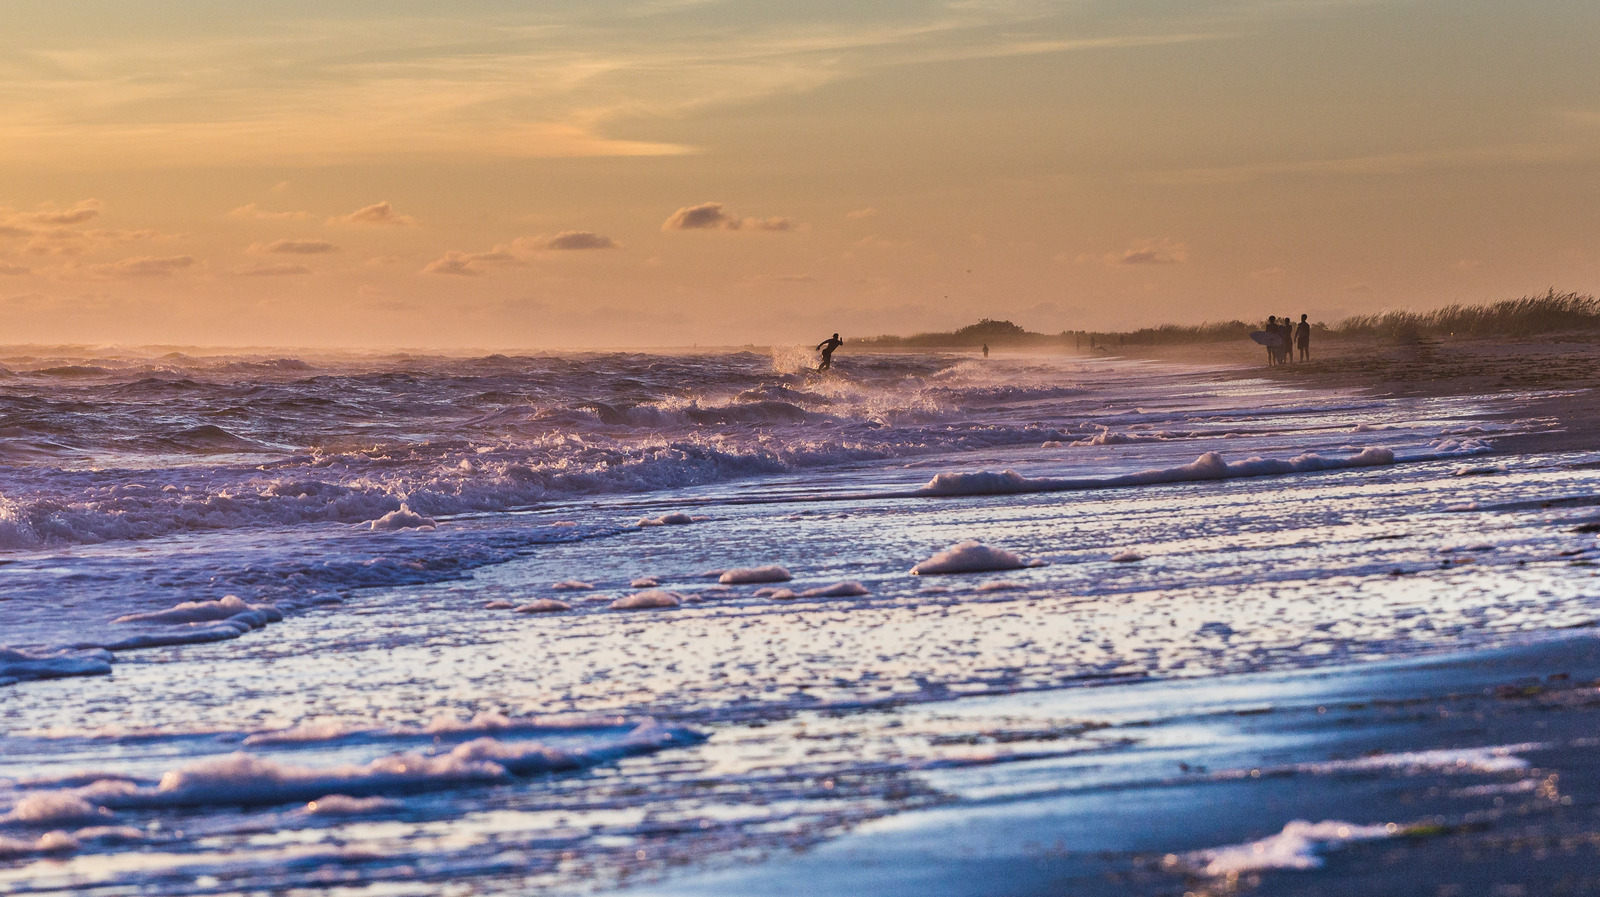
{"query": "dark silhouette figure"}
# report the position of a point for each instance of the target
(985, 350)
(826, 347)
(1287, 330)
(1302, 338)
(1272, 351)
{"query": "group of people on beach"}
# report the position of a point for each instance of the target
(1291, 337)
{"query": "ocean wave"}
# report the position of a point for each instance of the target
(1209, 466)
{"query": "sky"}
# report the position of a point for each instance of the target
(503, 175)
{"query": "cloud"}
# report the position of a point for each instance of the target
(144, 266)
(84, 211)
(377, 213)
(705, 216)
(50, 229)
(1165, 252)
(767, 224)
(715, 216)
(1267, 274)
(858, 214)
(13, 270)
(254, 211)
(580, 239)
(284, 270)
(296, 247)
(471, 264)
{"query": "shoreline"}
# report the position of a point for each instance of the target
(1566, 365)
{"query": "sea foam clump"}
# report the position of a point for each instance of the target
(746, 575)
(676, 519)
(972, 556)
(648, 600)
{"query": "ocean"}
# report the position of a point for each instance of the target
(406, 624)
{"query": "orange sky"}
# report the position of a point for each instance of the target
(608, 173)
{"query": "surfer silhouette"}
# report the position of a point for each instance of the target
(985, 350)
(1302, 338)
(826, 347)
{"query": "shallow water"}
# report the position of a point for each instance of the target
(734, 723)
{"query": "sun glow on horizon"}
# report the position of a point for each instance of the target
(657, 173)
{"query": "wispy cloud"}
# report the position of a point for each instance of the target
(295, 247)
(284, 270)
(377, 213)
(10, 270)
(254, 211)
(143, 266)
(531, 82)
(1380, 164)
(1164, 252)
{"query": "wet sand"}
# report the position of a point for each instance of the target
(1566, 365)
(1227, 762)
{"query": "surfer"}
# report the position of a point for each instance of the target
(826, 347)
(985, 350)
(1287, 329)
(1302, 338)
(1271, 328)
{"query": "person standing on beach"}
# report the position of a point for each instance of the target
(985, 350)
(1272, 351)
(826, 347)
(1302, 338)
(1288, 340)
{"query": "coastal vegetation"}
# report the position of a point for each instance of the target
(1551, 312)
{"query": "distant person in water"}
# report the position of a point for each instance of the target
(1302, 338)
(826, 347)
(985, 350)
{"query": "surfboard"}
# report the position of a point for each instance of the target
(1270, 340)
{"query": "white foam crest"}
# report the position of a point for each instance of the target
(243, 778)
(1501, 758)
(53, 808)
(1295, 847)
(225, 608)
(1209, 466)
(17, 665)
(401, 518)
(345, 805)
(50, 842)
